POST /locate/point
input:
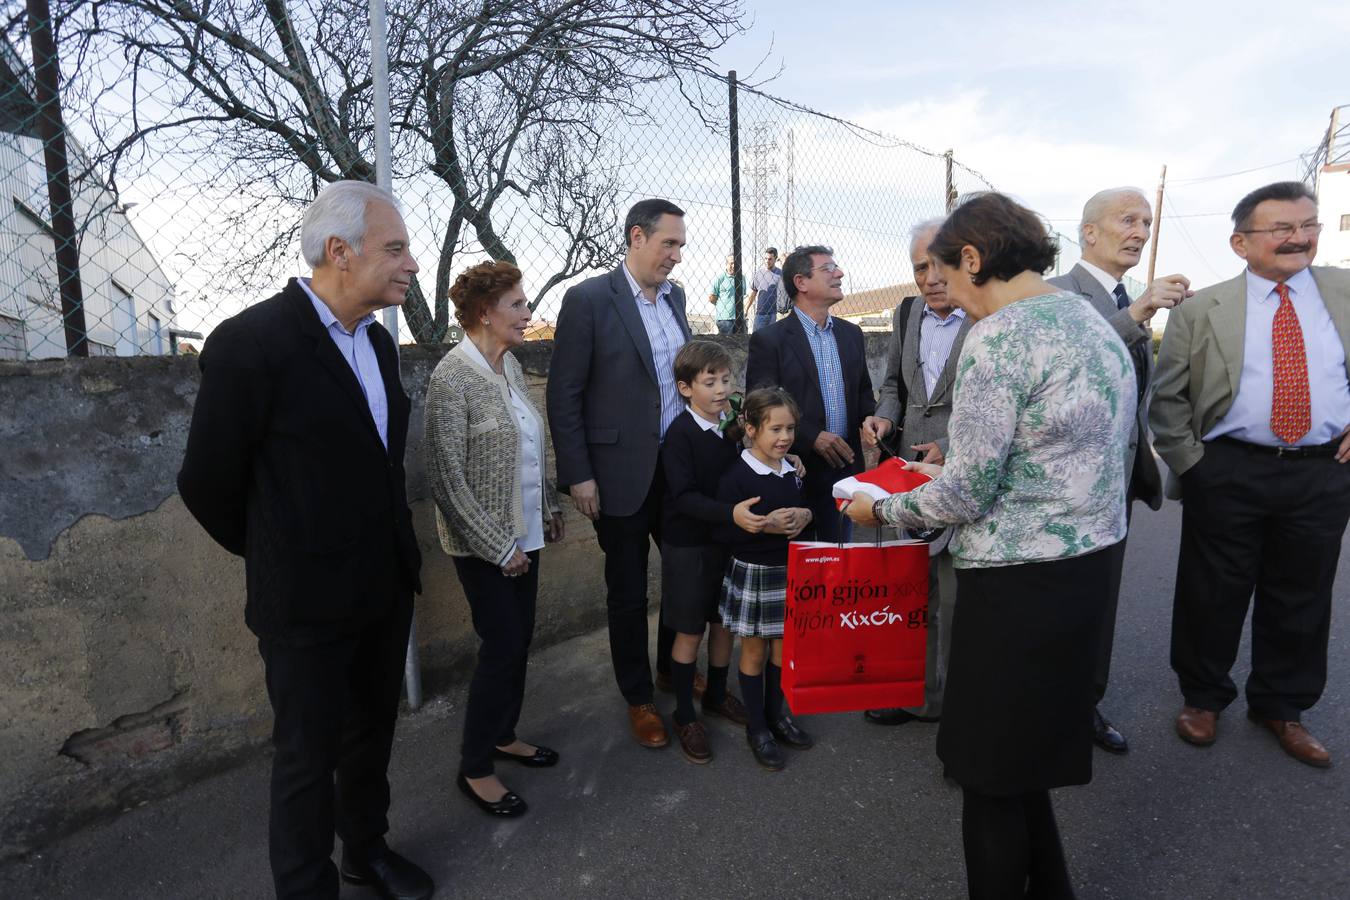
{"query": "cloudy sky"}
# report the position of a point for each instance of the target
(1054, 100)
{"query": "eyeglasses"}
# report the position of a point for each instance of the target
(1284, 231)
(830, 267)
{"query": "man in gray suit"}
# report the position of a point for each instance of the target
(611, 395)
(1114, 229)
(1252, 415)
(915, 404)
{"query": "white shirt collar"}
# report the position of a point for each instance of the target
(1259, 288)
(1108, 281)
(785, 467)
(326, 317)
(637, 288)
(476, 356)
(702, 422)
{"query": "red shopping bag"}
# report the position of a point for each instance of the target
(856, 630)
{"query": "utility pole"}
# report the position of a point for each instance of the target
(790, 201)
(1157, 225)
(51, 129)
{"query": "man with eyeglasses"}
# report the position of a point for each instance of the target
(1114, 229)
(1250, 412)
(820, 361)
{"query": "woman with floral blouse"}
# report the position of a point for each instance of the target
(1034, 484)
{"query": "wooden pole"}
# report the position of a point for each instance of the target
(1157, 225)
(738, 283)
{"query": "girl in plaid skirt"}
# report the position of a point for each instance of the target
(755, 585)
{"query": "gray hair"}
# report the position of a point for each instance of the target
(1099, 203)
(924, 227)
(339, 211)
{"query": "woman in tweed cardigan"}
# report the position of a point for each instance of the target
(486, 461)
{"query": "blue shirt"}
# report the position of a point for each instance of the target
(829, 369)
(666, 337)
(936, 338)
(765, 285)
(359, 352)
(1248, 419)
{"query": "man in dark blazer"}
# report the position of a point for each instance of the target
(1251, 413)
(1115, 227)
(821, 362)
(611, 395)
(295, 462)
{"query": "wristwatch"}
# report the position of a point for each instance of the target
(876, 510)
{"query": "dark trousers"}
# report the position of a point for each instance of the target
(1116, 556)
(334, 706)
(1253, 521)
(626, 541)
(503, 617)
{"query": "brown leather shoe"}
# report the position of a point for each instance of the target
(1296, 741)
(694, 742)
(1197, 726)
(731, 708)
(648, 729)
(666, 686)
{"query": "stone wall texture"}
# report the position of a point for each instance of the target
(125, 667)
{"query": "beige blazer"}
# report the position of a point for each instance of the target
(1200, 363)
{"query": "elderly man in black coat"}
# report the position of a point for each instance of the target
(295, 462)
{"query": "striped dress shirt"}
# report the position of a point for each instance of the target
(829, 370)
(936, 337)
(666, 337)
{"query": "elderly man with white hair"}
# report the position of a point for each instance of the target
(295, 462)
(1115, 227)
(927, 332)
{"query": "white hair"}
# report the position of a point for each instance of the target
(339, 211)
(924, 227)
(1100, 203)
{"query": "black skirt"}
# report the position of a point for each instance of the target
(1017, 715)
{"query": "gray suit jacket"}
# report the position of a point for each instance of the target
(924, 418)
(1145, 481)
(1200, 363)
(603, 397)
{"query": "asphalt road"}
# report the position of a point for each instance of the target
(866, 813)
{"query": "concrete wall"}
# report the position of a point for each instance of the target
(125, 667)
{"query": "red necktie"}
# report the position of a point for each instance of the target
(1290, 406)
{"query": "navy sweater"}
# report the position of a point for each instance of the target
(741, 482)
(693, 461)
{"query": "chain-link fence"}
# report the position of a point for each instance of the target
(196, 133)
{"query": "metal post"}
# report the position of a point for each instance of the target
(51, 130)
(951, 183)
(739, 281)
(384, 177)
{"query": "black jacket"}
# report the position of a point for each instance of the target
(781, 355)
(285, 467)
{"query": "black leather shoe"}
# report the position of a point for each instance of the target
(1106, 736)
(766, 750)
(542, 758)
(510, 806)
(895, 716)
(386, 873)
(785, 731)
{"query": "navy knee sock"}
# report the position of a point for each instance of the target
(717, 685)
(773, 693)
(752, 695)
(682, 674)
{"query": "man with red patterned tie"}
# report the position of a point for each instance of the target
(1250, 412)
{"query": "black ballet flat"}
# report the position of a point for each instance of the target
(510, 806)
(542, 758)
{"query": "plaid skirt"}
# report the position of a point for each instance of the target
(754, 599)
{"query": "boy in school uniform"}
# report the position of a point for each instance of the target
(695, 453)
